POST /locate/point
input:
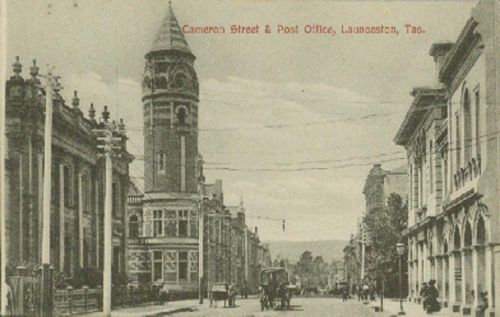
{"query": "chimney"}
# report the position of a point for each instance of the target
(438, 52)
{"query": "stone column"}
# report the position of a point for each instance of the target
(425, 259)
(467, 280)
(464, 277)
(493, 259)
(451, 277)
(437, 273)
(444, 273)
(21, 210)
(80, 220)
(62, 232)
(475, 276)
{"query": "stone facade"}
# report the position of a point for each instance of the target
(77, 181)
(451, 137)
(380, 184)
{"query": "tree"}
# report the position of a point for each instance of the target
(313, 271)
(385, 227)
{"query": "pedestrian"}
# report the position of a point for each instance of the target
(164, 294)
(345, 293)
(245, 290)
(483, 300)
(366, 291)
(423, 295)
(432, 294)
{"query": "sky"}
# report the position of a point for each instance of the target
(290, 122)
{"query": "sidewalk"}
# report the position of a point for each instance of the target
(392, 307)
(153, 310)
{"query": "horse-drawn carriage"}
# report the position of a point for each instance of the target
(223, 291)
(275, 288)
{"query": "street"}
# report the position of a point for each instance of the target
(300, 307)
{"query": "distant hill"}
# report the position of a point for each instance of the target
(291, 250)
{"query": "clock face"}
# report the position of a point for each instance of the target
(180, 80)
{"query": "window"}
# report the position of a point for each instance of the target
(181, 115)
(183, 265)
(171, 266)
(116, 259)
(54, 183)
(162, 162)
(133, 227)
(85, 193)
(183, 223)
(444, 171)
(67, 251)
(431, 171)
(115, 200)
(193, 222)
(457, 141)
(170, 223)
(193, 265)
(157, 266)
(467, 127)
(157, 223)
(217, 230)
(478, 122)
(86, 250)
(68, 186)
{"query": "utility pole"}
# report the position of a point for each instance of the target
(200, 251)
(46, 298)
(109, 145)
(3, 251)
(363, 245)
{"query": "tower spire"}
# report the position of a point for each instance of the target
(170, 36)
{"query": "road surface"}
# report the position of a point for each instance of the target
(309, 307)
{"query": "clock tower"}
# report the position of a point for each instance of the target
(170, 110)
(165, 248)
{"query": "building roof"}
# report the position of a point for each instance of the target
(463, 44)
(170, 36)
(420, 106)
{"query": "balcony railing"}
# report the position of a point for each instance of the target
(467, 173)
(134, 199)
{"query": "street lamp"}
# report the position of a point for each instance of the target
(400, 248)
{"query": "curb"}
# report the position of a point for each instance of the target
(170, 312)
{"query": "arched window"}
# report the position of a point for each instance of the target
(85, 188)
(457, 144)
(477, 102)
(467, 235)
(481, 231)
(181, 115)
(162, 83)
(467, 127)
(68, 185)
(162, 162)
(456, 239)
(133, 227)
